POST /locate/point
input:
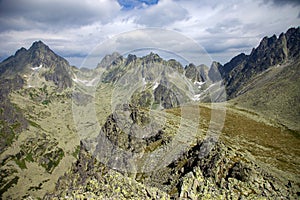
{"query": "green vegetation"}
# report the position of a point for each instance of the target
(8, 133)
(52, 159)
(21, 163)
(46, 102)
(29, 157)
(76, 152)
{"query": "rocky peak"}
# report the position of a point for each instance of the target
(196, 73)
(270, 51)
(191, 72)
(213, 73)
(110, 59)
(21, 51)
(39, 53)
(38, 59)
(266, 42)
(175, 65)
(203, 69)
(152, 57)
(234, 62)
(293, 42)
(130, 58)
(39, 45)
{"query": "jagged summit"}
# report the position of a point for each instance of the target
(38, 44)
(110, 59)
(270, 52)
(152, 57)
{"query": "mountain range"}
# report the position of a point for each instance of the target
(149, 128)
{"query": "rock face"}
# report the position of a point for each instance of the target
(165, 97)
(196, 73)
(213, 73)
(271, 51)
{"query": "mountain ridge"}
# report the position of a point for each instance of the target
(271, 51)
(54, 118)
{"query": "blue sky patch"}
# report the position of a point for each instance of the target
(130, 4)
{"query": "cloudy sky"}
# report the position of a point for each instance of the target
(73, 28)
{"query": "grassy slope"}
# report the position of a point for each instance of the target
(275, 94)
(51, 128)
(274, 147)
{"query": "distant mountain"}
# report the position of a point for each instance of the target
(39, 57)
(166, 81)
(270, 52)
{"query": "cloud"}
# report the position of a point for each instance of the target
(74, 28)
(54, 14)
(163, 14)
(148, 40)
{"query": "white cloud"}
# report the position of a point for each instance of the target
(162, 14)
(73, 28)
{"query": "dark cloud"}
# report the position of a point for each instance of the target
(53, 14)
(283, 2)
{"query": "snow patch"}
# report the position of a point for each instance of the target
(37, 68)
(196, 97)
(86, 82)
(92, 82)
(155, 85)
(144, 81)
(199, 84)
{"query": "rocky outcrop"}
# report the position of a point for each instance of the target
(89, 179)
(223, 173)
(126, 129)
(227, 174)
